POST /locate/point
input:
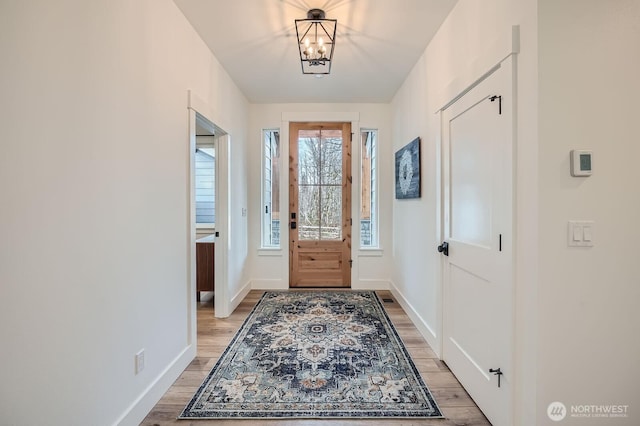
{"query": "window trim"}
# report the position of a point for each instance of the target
(200, 146)
(211, 226)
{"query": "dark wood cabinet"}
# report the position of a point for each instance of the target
(205, 267)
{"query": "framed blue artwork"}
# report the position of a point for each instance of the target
(408, 170)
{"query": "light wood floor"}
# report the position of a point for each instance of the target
(214, 334)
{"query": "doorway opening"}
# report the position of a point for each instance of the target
(204, 189)
(208, 213)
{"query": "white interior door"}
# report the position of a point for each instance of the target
(478, 227)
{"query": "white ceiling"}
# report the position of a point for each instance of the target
(377, 44)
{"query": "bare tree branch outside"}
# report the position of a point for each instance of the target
(320, 184)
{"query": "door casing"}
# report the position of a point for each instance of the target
(222, 300)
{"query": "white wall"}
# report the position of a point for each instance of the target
(89, 91)
(238, 273)
(474, 37)
(576, 319)
(589, 90)
(269, 269)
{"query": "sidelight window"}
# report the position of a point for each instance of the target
(271, 188)
(369, 188)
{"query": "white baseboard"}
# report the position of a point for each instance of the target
(139, 409)
(275, 284)
(371, 285)
(239, 296)
(425, 330)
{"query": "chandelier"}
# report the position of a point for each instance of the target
(316, 39)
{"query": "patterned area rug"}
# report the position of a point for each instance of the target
(326, 354)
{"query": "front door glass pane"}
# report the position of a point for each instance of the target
(331, 156)
(331, 217)
(320, 184)
(309, 216)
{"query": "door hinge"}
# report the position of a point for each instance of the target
(499, 98)
(497, 372)
(350, 263)
(500, 242)
(351, 222)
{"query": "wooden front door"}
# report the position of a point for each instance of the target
(320, 204)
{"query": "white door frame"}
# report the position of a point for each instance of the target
(510, 47)
(497, 404)
(195, 105)
(308, 117)
(222, 299)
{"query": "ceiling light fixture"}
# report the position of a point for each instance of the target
(316, 40)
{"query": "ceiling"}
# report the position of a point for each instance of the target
(377, 44)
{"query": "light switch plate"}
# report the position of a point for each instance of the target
(580, 233)
(139, 361)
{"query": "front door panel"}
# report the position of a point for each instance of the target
(320, 204)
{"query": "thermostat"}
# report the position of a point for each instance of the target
(581, 163)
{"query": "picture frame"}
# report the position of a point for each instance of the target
(408, 170)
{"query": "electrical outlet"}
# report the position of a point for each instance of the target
(140, 361)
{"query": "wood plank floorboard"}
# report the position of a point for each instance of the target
(214, 334)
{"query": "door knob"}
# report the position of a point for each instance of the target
(444, 248)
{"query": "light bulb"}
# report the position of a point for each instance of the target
(320, 42)
(306, 42)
